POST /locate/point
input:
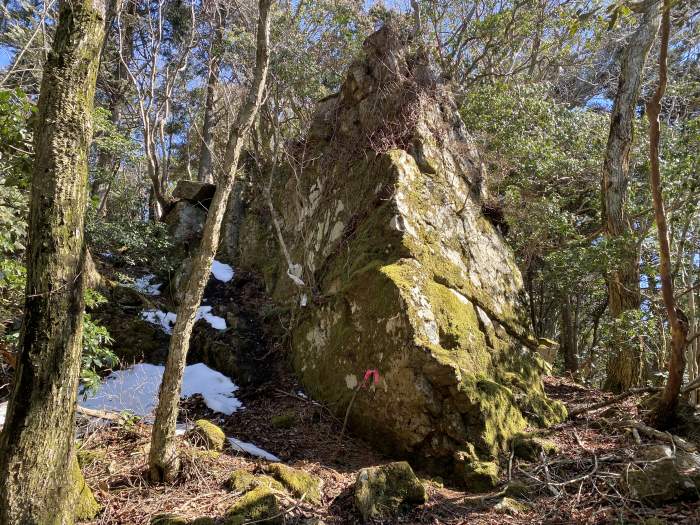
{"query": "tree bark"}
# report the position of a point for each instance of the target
(36, 444)
(164, 463)
(625, 364)
(665, 411)
(569, 343)
(205, 169)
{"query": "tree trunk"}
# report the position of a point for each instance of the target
(164, 462)
(205, 169)
(36, 444)
(625, 365)
(107, 161)
(569, 337)
(665, 411)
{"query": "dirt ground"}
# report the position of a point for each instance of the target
(583, 476)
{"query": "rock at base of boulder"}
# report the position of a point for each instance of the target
(385, 490)
(207, 434)
(660, 483)
(84, 504)
(530, 448)
(168, 519)
(477, 476)
(243, 481)
(193, 190)
(510, 506)
(298, 482)
(260, 504)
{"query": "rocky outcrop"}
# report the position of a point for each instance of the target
(374, 236)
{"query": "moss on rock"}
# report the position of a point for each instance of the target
(473, 474)
(383, 491)
(260, 504)
(286, 420)
(207, 434)
(530, 447)
(88, 457)
(243, 481)
(168, 519)
(297, 482)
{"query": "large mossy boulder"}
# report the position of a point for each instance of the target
(392, 265)
(386, 490)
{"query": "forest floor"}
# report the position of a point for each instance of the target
(583, 475)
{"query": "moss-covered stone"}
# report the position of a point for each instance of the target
(207, 434)
(286, 420)
(518, 489)
(660, 483)
(297, 482)
(168, 519)
(510, 506)
(259, 504)
(204, 520)
(415, 281)
(88, 457)
(243, 481)
(386, 490)
(477, 476)
(530, 447)
(84, 504)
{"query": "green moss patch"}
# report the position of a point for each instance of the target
(243, 481)
(168, 519)
(297, 482)
(386, 490)
(84, 504)
(259, 504)
(286, 420)
(207, 434)
(530, 448)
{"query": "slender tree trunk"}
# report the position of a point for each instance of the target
(665, 411)
(36, 444)
(625, 364)
(568, 336)
(205, 169)
(164, 463)
(108, 162)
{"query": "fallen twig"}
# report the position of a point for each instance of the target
(621, 397)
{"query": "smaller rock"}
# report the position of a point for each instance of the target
(298, 482)
(243, 481)
(204, 520)
(88, 457)
(518, 489)
(207, 434)
(287, 420)
(168, 519)
(659, 483)
(529, 447)
(259, 504)
(478, 476)
(384, 490)
(510, 506)
(194, 191)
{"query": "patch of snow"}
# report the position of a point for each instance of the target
(135, 389)
(106, 254)
(145, 285)
(222, 272)
(3, 413)
(216, 322)
(166, 320)
(251, 449)
(304, 300)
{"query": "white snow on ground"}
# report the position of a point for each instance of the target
(216, 322)
(251, 449)
(135, 389)
(3, 413)
(145, 285)
(222, 272)
(166, 320)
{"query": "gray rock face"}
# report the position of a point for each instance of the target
(390, 265)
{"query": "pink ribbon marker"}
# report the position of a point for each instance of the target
(369, 373)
